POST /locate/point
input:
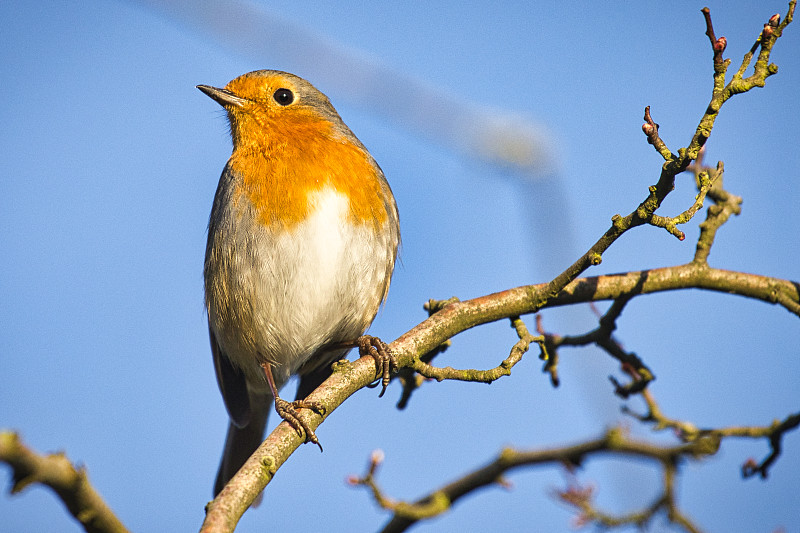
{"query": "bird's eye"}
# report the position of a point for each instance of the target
(283, 96)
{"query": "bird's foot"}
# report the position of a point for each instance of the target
(385, 361)
(289, 412)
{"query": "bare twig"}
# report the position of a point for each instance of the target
(603, 338)
(650, 129)
(435, 504)
(581, 499)
(483, 376)
(408, 377)
(548, 352)
(697, 443)
(69, 483)
(725, 205)
(706, 181)
(717, 45)
(689, 432)
(614, 442)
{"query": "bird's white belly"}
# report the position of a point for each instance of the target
(299, 289)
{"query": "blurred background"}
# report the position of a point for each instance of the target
(510, 134)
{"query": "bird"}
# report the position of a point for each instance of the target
(302, 241)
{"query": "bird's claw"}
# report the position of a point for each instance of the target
(288, 412)
(385, 361)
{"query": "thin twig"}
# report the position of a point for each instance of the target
(69, 483)
(614, 442)
(688, 432)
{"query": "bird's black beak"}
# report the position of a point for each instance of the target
(222, 96)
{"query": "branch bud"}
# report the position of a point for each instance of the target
(720, 44)
(377, 457)
(775, 20)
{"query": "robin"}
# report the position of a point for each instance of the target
(302, 242)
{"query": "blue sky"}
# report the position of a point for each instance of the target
(111, 159)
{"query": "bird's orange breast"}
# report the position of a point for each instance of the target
(299, 155)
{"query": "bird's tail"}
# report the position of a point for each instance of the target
(240, 443)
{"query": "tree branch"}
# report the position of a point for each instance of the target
(581, 499)
(697, 444)
(70, 484)
(483, 376)
(614, 442)
(689, 432)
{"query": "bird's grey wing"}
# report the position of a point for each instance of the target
(232, 385)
